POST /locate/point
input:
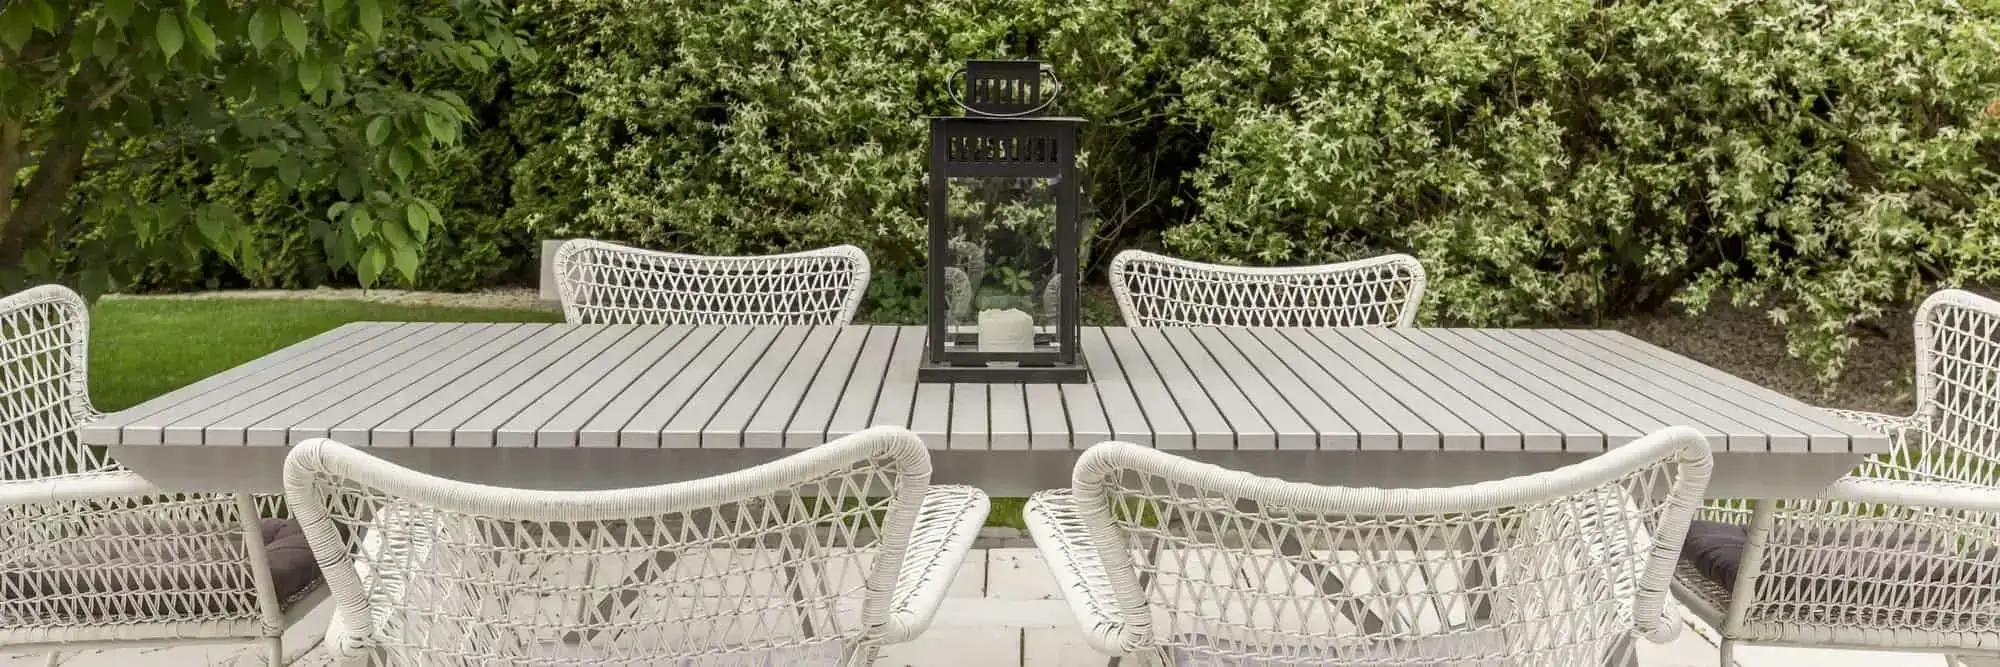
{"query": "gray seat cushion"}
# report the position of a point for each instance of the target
(1878, 565)
(157, 567)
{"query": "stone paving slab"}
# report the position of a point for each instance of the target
(1002, 613)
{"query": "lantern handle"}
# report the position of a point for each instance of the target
(1048, 70)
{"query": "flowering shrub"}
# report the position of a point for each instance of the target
(1545, 158)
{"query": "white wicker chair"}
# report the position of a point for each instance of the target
(1157, 290)
(1904, 553)
(91, 554)
(818, 558)
(1168, 559)
(604, 283)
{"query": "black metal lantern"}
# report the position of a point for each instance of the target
(1004, 233)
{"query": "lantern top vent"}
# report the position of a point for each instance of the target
(1006, 88)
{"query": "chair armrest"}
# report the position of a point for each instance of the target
(947, 523)
(1929, 495)
(78, 487)
(1060, 535)
(1889, 425)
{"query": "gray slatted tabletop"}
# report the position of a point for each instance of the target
(581, 406)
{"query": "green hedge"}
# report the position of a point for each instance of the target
(1547, 159)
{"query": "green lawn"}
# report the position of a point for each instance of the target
(141, 348)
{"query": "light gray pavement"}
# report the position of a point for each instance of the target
(1004, 612)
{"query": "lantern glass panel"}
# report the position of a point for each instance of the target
(1001, 276)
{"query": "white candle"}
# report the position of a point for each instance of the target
(1009, 330)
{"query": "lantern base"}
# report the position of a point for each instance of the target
(1077, 373)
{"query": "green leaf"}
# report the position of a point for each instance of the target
(396, 234)
(204, 36)
(120, 11)
(371, 265)
(168, 33)
(309, 73)
(420, 221)
(378, 131)
(406, 261)
(333, 7)
(348, 183)
(263, 27)
(399, 162)
(371, 18)
(288, 171)
(295, 30)
(16, 26)
(45, 16)
(444, 130)
(364, 224)
(213, 221)
(333, 212)
(263, 157)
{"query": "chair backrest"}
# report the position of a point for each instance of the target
(44, 395)
(1157, 290)
(1958, 393)
(604, 283)
(797, 557)
(1224, 565)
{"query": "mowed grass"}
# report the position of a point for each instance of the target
(142, 348)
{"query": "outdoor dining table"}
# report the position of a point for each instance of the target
(564, 406)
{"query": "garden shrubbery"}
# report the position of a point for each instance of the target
(1547, 159)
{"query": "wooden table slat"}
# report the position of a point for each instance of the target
(314, 417)
(538, 424)
(479, 385)
(1253, 429)
(1048, 416)
(224, 421)
(1356, 367)
(1684, 391)
(1117, 394)
(475, 422)
(643, 429)
(933, 422)
(1730, 388)
(970, 426)
(1559, 387)
(361, 425)
(899, 393)
(1286, 418)
(605, 427)
(815, 397)
(1188, 395)
(1586, 427)
(600, 403)
(1007, 414)
(1378, 424)
(773, 388)
(858, 397)
(622, 390)
(1717, 428)
(399, 427)
(253, 373)
(1490, 420)
(750, 369)
(1537, 428)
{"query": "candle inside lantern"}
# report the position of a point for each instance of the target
(1009, 330)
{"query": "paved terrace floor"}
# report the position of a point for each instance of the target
(1004, 612)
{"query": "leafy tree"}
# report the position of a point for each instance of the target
(289, 99)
